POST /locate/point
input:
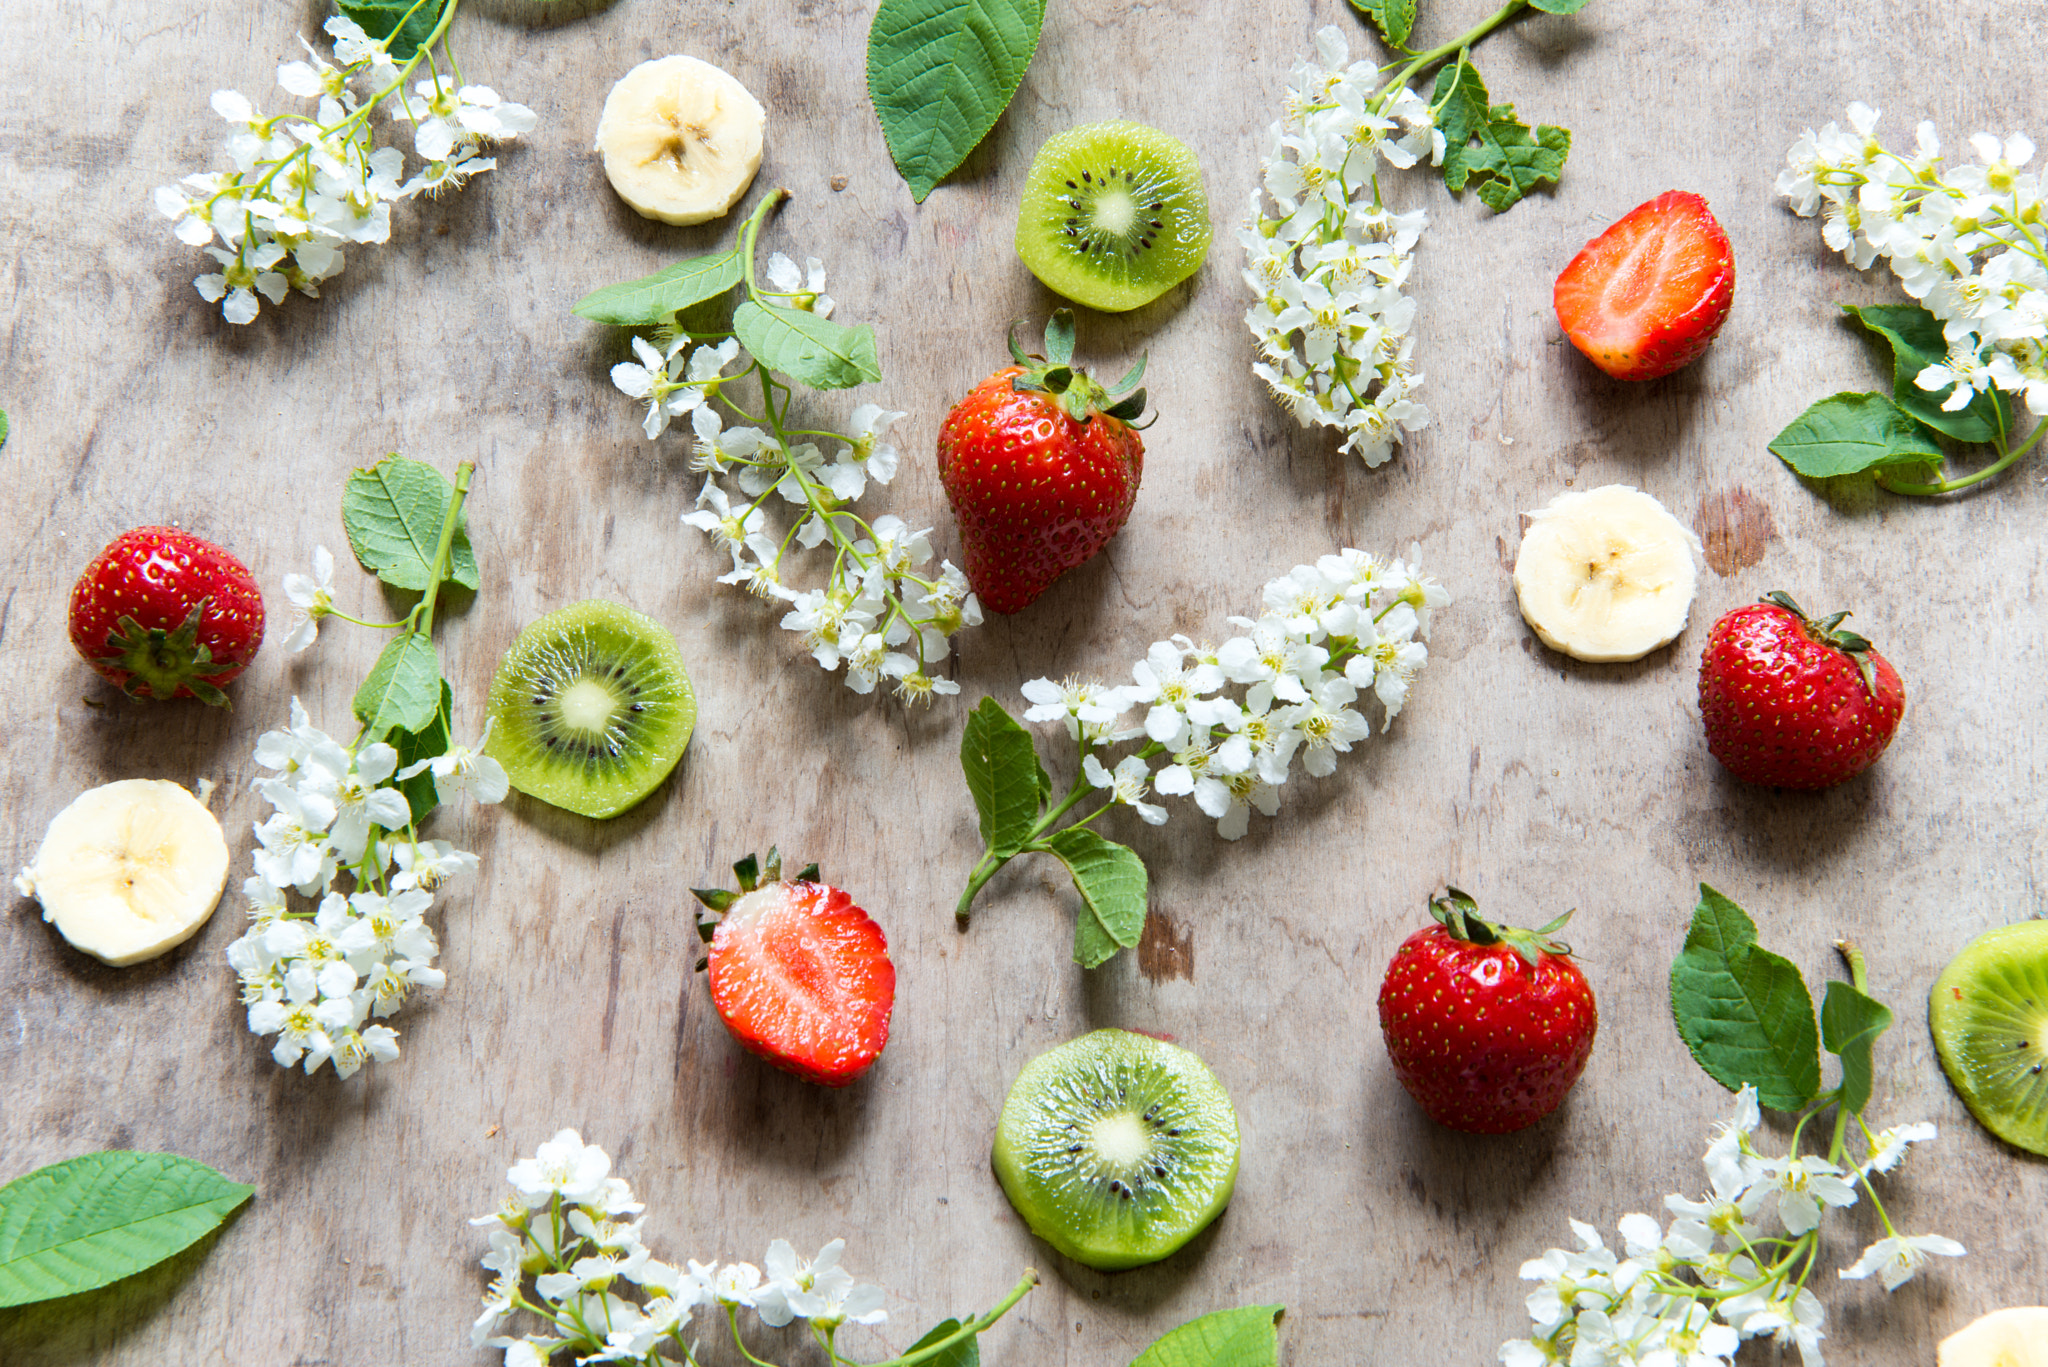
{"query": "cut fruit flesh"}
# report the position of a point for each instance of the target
(593, 708)
(1646, 296)
(129, 870)
(802, 977)
(681, 139)
(1113, 215)
(1989, 1015)
(2014, 1337)
(1117, 1148)
(1606, 575)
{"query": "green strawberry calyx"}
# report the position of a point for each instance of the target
(1457, 913)
(1055, 373)
(1827, 631)
(751, 872)
(160, 662)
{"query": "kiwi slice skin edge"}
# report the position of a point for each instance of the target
(1117, 1148)
(591, 708)
(1113, 215)
(1989, 1015)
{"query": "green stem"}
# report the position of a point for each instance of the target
(449, 521)
(991, 863)
(1949, 486)
(1859, 977)
(1426, 60)
(752, 231)
(970, 1329)
(732, 1317)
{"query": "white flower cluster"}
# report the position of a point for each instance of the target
(882, 612)
(566, 1247)
(1966, 242)
(1331, 632)
(1726, 1269)
(316, 978)
(1329, 261)
(304, 186)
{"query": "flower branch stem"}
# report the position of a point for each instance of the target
(449, 522)
(1424, 61)
(972, 1328)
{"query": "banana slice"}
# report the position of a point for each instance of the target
(1606, 574)
(681, 139)
(129, 870)
(2004, 1338)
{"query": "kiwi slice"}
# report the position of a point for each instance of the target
(1117, 1148)
(1989, 1011)
(592, 708)
(1114, 215)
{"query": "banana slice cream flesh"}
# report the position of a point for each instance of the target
(129, 870)
(1606, 574)
(2017, 1337)
(681, 139)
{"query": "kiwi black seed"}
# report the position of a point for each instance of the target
(1117, 1148)
(1989, 1013)
(591, 708)
(1113, 215)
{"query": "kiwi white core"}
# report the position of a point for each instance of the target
(1119, 1139)
(1115, 212)
(587, 705)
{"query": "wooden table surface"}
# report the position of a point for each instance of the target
(1535, 782)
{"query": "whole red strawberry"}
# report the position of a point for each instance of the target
(1792, 702)
(1646, 296)
(165, 614)
(1041, 469)
(1488, 1026)
(799, 974)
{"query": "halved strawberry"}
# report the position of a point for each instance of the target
(800, 975)
(1646, 296)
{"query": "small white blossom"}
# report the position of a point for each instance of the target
(1895, 1260)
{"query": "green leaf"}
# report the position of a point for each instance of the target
(1743, 1011)
(1003, 775)
(3, 429)
(817, 351)
(404, 689)
(429, 742)
(941, 72)
(1850, 1022)
(965, 1353)
(1244, 1337)
(654, 298)
(1112, 883)
(1395, 19)
(1559, 6)
(1917, 343)
(1510, 159)
(1846, 434)
(393, 513)
(95, 1219)
(380, 18)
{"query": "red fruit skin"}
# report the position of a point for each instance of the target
(1669, 264)
(157, 575)
(1485, 1043)
(1035, 492)
(1786, 709)
(804, 981)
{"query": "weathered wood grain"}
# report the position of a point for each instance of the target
(1534, 782)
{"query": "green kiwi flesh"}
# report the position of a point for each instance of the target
(1989, 1013)
(591, 708)
(1114, 215)
(1117, 1148)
